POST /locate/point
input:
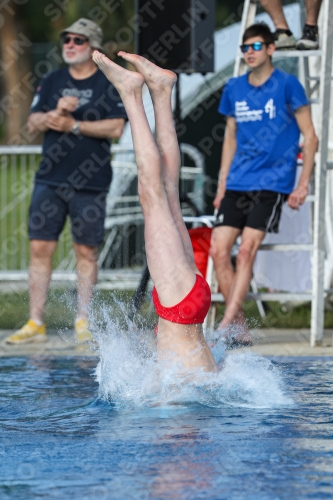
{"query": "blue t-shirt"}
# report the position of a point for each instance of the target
(267, 132)
(77, 161)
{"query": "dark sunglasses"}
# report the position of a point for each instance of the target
(77, 40)
(255, 46)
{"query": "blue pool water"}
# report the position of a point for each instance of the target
(259, 430)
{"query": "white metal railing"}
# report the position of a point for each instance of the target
(17, 170)
(320, 64)
(124, 212)
(123, 246)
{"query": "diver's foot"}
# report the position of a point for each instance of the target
(156, 78)
(126, 82)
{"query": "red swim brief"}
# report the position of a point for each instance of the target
(192, 309)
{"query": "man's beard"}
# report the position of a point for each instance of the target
(79, 58)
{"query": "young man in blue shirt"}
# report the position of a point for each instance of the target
(266, 110)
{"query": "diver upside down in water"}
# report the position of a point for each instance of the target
(181, 295)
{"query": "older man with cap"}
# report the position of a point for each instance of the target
(79, 112)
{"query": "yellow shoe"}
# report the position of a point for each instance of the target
(30, 332)
(81, 329)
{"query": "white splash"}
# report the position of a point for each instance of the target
(129, 376)
(250, 380)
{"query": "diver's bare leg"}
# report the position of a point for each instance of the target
(160, 83)
(167, 261)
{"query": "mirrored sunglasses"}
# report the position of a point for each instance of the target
(255, 46)
(76, 39)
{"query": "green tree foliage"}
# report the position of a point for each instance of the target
(41, 21)
(44, 19)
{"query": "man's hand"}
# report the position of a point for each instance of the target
(297, 197)
(58, 122)
(219, 195)
(67, 104)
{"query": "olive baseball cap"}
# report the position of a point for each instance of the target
(87, 28)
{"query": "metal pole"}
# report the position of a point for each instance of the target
(249, 13)
(177, 113)
(317, 311)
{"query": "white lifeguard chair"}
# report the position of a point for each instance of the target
(318, 88)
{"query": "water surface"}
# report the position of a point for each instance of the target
(264, 433)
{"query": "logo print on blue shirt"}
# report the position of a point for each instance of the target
(270, 108)
(245, 114)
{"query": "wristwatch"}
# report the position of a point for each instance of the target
(76, 128)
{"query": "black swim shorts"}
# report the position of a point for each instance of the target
(50, 206)
(256, 209)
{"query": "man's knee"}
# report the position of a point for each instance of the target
(247, 252)
(220, 254)
(42, 249)
(86, 253)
